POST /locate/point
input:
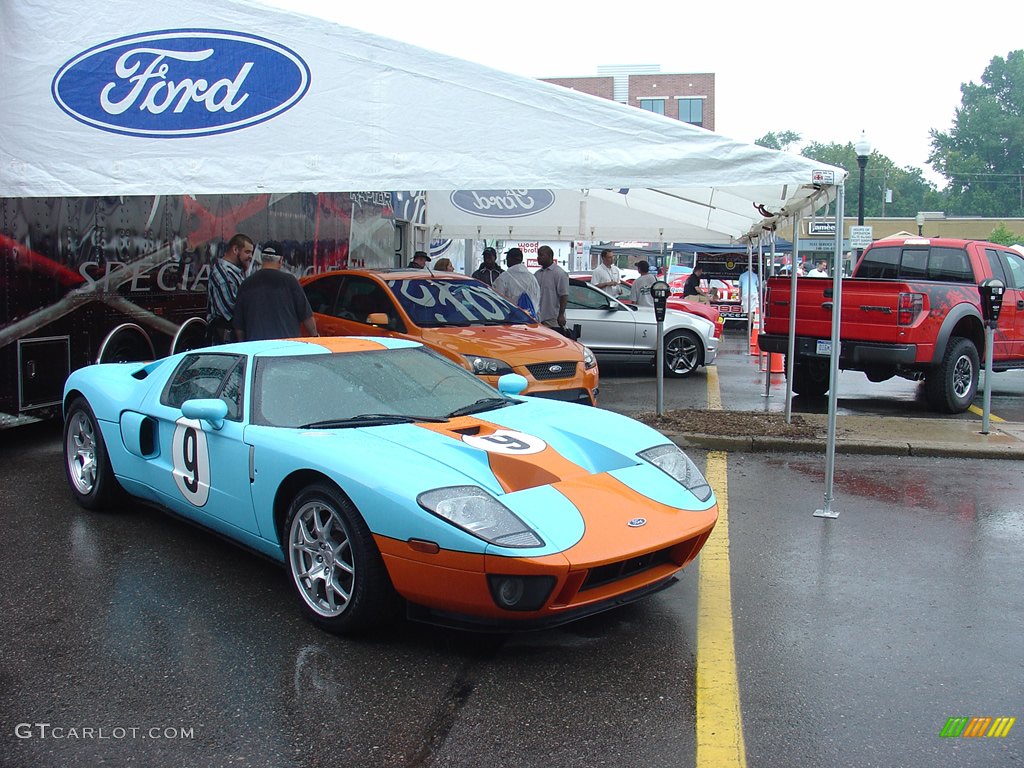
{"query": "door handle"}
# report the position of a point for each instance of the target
(827, 306)
(1020, 303)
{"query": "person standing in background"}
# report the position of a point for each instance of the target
(820, 269)
(226, 276)
(640, 292)
(517, 282)
(271, 304)
(554, 289)
(419, 260)
(606, 275)
(489, 270)
(749, 287)
(444, 265)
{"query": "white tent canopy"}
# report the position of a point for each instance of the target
(234, 97)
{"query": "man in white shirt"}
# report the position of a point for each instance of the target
(606, 276)
(640, 293)
(517, 280)
(749, 286)
(820, 269)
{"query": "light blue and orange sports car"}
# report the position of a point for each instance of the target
(385, 476)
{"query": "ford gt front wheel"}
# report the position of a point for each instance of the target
(334, 563)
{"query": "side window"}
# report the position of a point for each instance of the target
(879, 263)
(949, 265)
(996, 267)
(323, 293)
(581, 297)
(1014, 270)
(913, 264)
(361, 297)
(208, 375)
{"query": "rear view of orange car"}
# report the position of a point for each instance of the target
(458, 317)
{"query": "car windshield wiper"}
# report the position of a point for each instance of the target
(484, 404)
(370, 420)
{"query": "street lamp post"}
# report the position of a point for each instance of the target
(919, 220)
(863, 149)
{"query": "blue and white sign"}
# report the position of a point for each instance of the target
(181, 82)
(503, 203)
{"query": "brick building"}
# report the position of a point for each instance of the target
(686, 97)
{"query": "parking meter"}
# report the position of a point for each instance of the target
(660, 291)
(991, 291)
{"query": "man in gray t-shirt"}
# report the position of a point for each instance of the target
(554, 289)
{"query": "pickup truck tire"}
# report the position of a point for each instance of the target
(810, 377)
(950, 386)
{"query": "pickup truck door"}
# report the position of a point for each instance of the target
(1008, 341)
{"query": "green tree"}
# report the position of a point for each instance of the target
(911, 192)
(782, 140)
(1004, 236)
(982, 155)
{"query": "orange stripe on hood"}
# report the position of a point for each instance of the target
(514, 473)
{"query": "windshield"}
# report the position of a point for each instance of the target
(433, 303)
(307, 389)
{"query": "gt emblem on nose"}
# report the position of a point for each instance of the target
(555, 369)
(636, 522)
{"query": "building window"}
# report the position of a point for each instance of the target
(691, 111)
(653, 105)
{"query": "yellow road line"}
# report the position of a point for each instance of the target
(714, 393)
(979, 412)
(719, 721)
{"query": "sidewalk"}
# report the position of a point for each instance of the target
(883, 436)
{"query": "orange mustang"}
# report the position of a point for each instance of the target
(459, 317)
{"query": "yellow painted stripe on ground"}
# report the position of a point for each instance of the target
(714, 393)
(979, 412)
(719, 722)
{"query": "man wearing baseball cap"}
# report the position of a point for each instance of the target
(489, 270)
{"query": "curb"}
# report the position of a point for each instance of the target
(756, 444)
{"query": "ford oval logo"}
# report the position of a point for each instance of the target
(180, 82)
(503, 203)
(636, 522)
(555, 369)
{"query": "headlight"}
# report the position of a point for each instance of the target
(677, 465)
(487, 366)
(477, 512)
(589, 361)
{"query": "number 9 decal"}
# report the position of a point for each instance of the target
(506, 441)
(191, 459)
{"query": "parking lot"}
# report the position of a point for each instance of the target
(132, 638)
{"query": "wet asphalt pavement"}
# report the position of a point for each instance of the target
(141, 640)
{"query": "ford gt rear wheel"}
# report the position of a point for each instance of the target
(334, 563)
(683, 353)
(86, 463)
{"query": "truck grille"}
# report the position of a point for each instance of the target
(562, 369)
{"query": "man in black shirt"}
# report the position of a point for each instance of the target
(489, 269)
(419, 260)
(271, 303)
(692, 285)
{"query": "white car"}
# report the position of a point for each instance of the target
(616, 331)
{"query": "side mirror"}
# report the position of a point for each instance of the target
(209, 409)
(377, 318)
(511, 384)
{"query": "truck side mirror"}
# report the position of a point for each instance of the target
(991, 291)
(660, 291)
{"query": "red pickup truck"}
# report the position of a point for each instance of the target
(911, 309)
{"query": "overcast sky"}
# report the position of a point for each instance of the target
(825, 71)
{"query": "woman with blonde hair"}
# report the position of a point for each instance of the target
(444, 265)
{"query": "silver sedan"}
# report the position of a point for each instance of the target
(617, 331)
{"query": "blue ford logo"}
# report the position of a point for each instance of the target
(636, 522)
(180, 82)
(503, 203)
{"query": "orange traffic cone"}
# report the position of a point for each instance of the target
(755, 349)
(775, 363)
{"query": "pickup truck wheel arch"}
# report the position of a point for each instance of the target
(950, 387)
(963, 320)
